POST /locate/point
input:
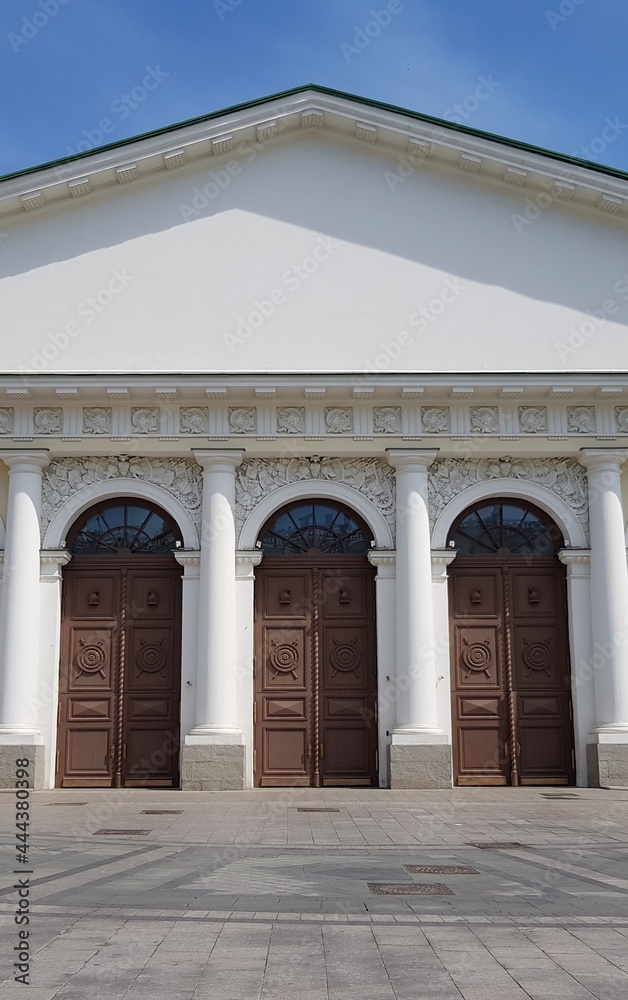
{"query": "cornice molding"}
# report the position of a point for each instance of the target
(408, 138)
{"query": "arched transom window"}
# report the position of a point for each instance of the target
(130, 526)
(505, 527)
(315, 525)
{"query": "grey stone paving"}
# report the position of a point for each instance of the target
(242, 897)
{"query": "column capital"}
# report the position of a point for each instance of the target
(245, 562)
(603, 458)
(14, 458)
(220, 459)
(187, 557)
(403, 458)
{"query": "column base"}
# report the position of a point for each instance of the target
(420, 765)
(212, 767)
(607, 760)
(34, 753)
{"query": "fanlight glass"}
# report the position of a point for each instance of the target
(319, 526)
(129, 526)
(506, 527)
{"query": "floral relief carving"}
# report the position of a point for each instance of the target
(194, 419)
(181, 477)
(435, 419)
(7, 414)
(532, 419)
(242, 420)
(291, 419)
(371, 477)
(49, 420)
(338, 419)
(97, 420)
(581, 419)
(563, 476)
(387, 419)
(484, 419)
(145, 419)
(621, 414)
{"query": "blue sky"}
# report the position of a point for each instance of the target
(554, 72)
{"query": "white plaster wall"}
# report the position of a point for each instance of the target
(514, 295)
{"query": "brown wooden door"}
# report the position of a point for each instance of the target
(511, 697)
(119, 690)
(315, 678)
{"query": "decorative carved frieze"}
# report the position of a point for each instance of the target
(533, 419)
(48, 420)
(563, 476)
(194, 419)
(242, 420)
(621, 414)
(291, 419)
(484, 419)
(316, 421)
(7, 415)
(581, 419)
(387, 419)
(338, 419)
(371, 477)
(181, 477)
(435, 419)
(97, 420)
(145, 419)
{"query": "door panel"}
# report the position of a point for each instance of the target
(120, 647)
(315, 684)
(282, 677)
(521, 652)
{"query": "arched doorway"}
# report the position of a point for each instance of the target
(511, 688)
(120, 675)
(315, 710)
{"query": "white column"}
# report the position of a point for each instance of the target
(441, 561)
(190, 560)
(246, 562)
(578, 563)
(216, 693)
(416, 663)
(19, 618)
(51, 584)
(384, 561)
(609, 590)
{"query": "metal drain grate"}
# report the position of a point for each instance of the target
(409, 889)
(161, 812)
(316, 809)
(440, 870)
(121, 833)
(66, 803)
(500, 845)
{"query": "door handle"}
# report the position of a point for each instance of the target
(506, 748)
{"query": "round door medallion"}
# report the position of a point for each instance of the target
(477, 656)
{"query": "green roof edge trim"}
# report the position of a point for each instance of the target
(329, 91)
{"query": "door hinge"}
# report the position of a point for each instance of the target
(377, 760)
(254, 761)
(57, 761)
(573, 758)
(254, 712)
(59, 715)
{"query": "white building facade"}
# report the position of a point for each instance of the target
(315, 421)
